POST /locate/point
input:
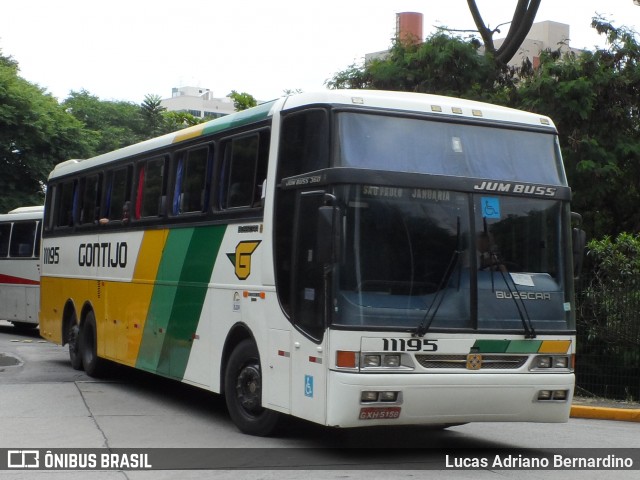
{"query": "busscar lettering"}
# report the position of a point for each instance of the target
(501, 294)
(519, 188)
(103, 255)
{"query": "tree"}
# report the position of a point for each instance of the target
(35, 134)
(594, 100)
(173, 121)
(523, 17)
(242, 101)
(152, 111)
(109, 124)
(441, 65)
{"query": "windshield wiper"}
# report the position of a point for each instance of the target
(529, 331)
(428, 318)
(497, 264)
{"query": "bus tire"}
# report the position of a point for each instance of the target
(243, 392)
(93, 365)
(73, 339)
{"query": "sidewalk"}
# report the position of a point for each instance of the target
(602, 409)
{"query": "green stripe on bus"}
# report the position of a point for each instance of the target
(491, 346)
(524, 346)
(181, 285)
(238, 119)
(507, 346)
(189, 300)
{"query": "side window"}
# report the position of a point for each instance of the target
(117, 196)
(23, 239)
(150, 192)
(5, 234)
(191, 181)
(67, 204)
(304, 143)
(244, 171)
(90, 207)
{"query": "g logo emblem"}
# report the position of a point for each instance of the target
(241, 259)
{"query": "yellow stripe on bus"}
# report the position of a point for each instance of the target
(132, 310)
(555, 346)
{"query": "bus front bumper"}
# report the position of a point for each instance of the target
(443, 399)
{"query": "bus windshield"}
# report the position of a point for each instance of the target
(415, 145)
(454, 260)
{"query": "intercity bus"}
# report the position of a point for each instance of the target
(351, 258)
(20, 266)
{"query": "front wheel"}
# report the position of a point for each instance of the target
(243, 391)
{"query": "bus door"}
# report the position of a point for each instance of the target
(310, 283)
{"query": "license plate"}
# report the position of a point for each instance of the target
(379, 413)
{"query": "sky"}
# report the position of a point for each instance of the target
(126, 49)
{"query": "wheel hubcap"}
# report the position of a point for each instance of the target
(249, 388)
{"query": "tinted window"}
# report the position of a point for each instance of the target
(23, 239)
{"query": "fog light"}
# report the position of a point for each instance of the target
(561, 362)
(369, 397)
(371, 361)
(391, 360)
(544, 362)
(560, 394)
(544, 395)
(388, 396)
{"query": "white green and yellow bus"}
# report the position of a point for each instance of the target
(352, 258)
(20, 266)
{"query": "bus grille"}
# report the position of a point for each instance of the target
(489, 362)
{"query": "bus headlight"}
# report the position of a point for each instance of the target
(549, 362)
(543, 362)
(391, 361)
(371, 361)
(560, 362)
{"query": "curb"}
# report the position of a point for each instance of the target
(603, 413)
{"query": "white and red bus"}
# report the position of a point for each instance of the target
(352, 258)
(20, 266)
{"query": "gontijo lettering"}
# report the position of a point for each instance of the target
(106, 254)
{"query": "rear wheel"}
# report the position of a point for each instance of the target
(73, 339)
(243, 391)
(93, 365)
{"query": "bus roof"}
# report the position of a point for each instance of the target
(23, 213)
(376, 99)
(422, 103)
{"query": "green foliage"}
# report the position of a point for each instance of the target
(35, 134)
(608, 322)
(611, 297)
(173, 121)
(242, 101)
(441, 65)
(108, 125)
(152, 111)
(594, 100)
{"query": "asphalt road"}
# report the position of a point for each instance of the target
(45, 404)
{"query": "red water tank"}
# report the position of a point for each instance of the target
(409, 27)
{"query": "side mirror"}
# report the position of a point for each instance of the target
(578, 243)
(328, 240)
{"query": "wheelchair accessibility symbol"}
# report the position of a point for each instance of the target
(308, 386)
(490, 207)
